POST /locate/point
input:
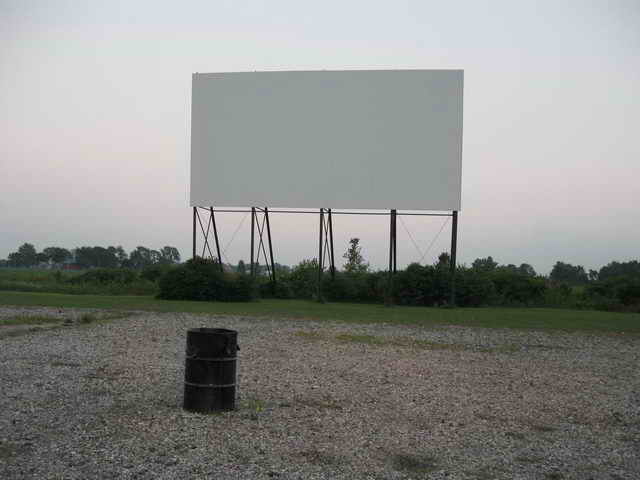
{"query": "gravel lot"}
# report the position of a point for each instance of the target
(319, 401)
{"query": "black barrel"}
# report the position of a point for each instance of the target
(210, 370)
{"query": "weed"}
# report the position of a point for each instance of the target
(255, 406)
(14, 333)
(485, 416)
(544, 347)
(310, 335)
(378, 341)
(506, 348)
(7, 451)
(538, 427)
(454, 347)
(414, 463)
(366, 339)
(488, 472)
(13, 449)
(57, 363)
(87, 318)
(29, 320)
(483, 474)
(528, 459)
(315, 402)
(318, 457)
(554, 476)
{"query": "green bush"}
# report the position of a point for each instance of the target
(201, 279)
(104, 276)
(473, 288)
(282, 288)
(422, 285)
(303, 279)
(514, 288)
(107, 281)
(339, 288)
(621, 293)
(154, 273)
(412, 285)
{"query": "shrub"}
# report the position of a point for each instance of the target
(282, 288)
(303, 279)
(620, 293)
(411, 286)
(154, 273)
(104, 276)
(513, 287)
(338, 288)
(474, 288)
(201, 279)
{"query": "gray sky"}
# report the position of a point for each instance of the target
(95, 112)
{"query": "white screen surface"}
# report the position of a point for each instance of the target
(335, 139)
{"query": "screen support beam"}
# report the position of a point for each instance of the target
(260, 226)
(325, 248)
(454, 247)
(211, 229)
(195, 213)
(325, 242)
(215, 234)
(393, 255)
(333, 264)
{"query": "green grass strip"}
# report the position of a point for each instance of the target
(528, 318)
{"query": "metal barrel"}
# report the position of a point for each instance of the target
(210, 370)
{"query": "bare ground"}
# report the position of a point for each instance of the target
(319, 400)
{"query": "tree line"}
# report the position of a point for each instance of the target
(91, 257)
(615, 286)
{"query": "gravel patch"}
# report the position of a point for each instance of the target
(320, 401)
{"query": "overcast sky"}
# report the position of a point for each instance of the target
(95, 120)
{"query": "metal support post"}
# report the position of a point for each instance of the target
(392, 255)
(394, 215)
(273, 265)
(454, 242)
(320, 248)
(253, 228)
(333, 263)
(194, 232)
(215, 235)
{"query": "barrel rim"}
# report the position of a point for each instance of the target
(212, 331)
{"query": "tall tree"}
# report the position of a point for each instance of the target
(26, 256)
(100, 257)
(121, 255)
(527, 270)
(241, 268)
(444, 261)
(140, 257)
(85, 257)
(14, 259)
(620, 269)
(355, 261)
(143, 257)
(484, 264)
(569, 274)
(169, 255)
(57, 254)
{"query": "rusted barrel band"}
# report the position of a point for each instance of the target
(207, 359)
(210, 385)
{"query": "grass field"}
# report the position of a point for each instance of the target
(533, 318)
(58, 281)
